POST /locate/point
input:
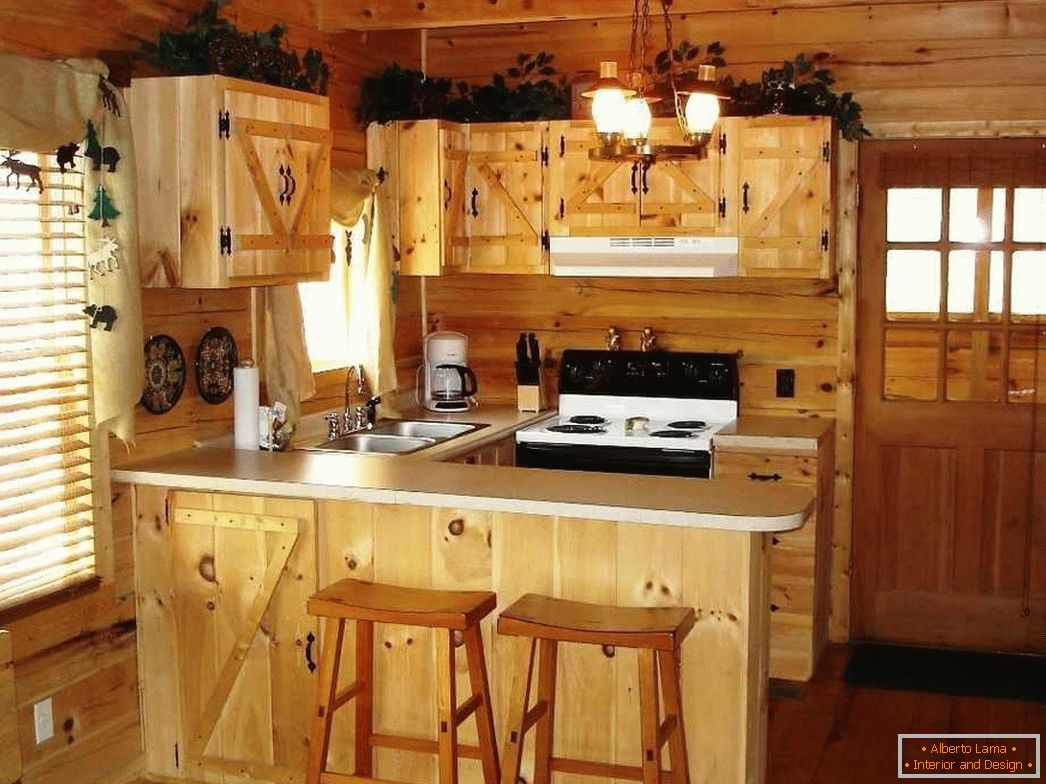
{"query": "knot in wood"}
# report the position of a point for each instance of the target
(456, 527)
(609, 651)
(206, 568)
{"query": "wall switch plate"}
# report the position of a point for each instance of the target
(43, 720)
(785, 382)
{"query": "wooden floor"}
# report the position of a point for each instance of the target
(832, 733)
(828, 732)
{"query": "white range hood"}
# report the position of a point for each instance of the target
(646, 257)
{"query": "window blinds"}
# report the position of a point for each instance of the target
(46, 520)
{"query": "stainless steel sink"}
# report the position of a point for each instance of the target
(397, 437)
(375, 444)
(441, 431)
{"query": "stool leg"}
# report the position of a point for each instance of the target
(648, 715)
(543, 730)
(365, 699)
(671, 685)
(446, 704)
(327, 688)
(488, 749)
(512, 755)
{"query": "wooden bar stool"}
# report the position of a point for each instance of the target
(449, 613)
(656, 631)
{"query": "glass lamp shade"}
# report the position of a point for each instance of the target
(637, 119)
(701, 112)
(609, 111)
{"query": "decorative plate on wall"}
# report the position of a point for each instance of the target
(164, 374)
(215, 359)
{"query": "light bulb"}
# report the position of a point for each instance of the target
(609, 111)
(701, 112)
(637, 119)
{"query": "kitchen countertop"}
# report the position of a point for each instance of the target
(798, 434)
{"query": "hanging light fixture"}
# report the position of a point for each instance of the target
(622, 111)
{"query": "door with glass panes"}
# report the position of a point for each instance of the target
(950, 474)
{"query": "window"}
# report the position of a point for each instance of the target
(46, 520)
(324, 307)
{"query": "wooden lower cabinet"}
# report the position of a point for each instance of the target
(799, 560)
(500, 453)
(224, 635)
(225, 641)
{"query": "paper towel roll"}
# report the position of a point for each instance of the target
(245, 405)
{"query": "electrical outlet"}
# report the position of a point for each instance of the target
(785, 382)
(43, 720)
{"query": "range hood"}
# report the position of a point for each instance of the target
(646, 257)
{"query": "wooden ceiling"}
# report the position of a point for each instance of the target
(417, 14)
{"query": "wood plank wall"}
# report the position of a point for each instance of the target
(82, 652)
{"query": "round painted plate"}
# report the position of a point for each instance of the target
(215, 359)
(164, 374)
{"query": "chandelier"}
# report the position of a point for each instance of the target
(621, 110)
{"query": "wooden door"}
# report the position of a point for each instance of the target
(588, 197)
(242, 570)
(785, 190)
(503, 206)
(950, 477)
(680, 196)
(277, 184)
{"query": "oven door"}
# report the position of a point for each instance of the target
(615, 459)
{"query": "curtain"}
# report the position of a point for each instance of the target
(47, 105)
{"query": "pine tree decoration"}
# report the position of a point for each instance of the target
(93, 149)
(103, 207)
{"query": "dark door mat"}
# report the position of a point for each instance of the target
(960, 673)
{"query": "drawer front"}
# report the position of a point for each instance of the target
(766, 467)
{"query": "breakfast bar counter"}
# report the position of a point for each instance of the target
(229, 546)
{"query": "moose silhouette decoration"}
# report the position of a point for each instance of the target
(21, 169)
(101, 314)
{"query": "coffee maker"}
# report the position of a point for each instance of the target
(450, 385)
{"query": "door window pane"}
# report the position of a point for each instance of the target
(1028, 284)
(966, 223)
(913, 214)
(966, 299)
(913, 284)
(975, 365)
(1029, 214)
(911, 364)
(1027, 381)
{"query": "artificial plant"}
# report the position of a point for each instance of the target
(528, 90)
(212, 45)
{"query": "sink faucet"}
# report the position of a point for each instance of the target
(360, 417)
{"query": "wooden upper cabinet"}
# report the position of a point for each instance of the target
(786, 196)
(233, 182)
(669, 197)
(465, 198)
(504, 227)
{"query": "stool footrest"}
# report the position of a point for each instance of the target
(344, 778)
(603, 769)
(350, 692)
(664, 732)
(467, 708)
(420, 745)
(534, 714)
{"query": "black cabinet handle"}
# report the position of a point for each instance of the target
(635, 168)
(764, 477)
(562, 145)
(744, 198)
(293, 184)
(309, 641)
(474, 208)
(646, 168)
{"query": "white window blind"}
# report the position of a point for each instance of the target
(46, 519)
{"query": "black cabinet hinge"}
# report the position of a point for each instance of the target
(562, 145)
(722, 206)
(722, 143)
(224, 241)
(544, 156)
(177, 757)
(824, 240)
(224, 124)
(826, 152)
(545, 242)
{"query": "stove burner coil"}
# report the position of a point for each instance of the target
(688, 424)
(671, 434)
(569, 428)
(587, 419)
